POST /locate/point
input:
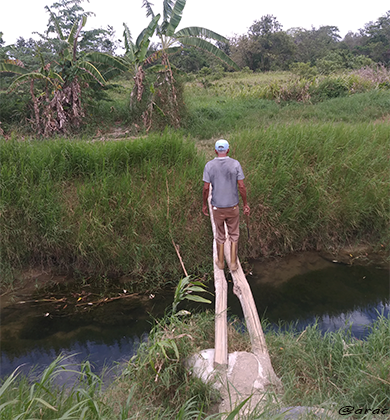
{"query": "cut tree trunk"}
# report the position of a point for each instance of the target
(243, 291)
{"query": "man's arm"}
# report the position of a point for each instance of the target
(242, 189)
(206, 190)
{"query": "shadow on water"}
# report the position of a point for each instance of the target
(298, 289)
(34, 332)
(308, 289)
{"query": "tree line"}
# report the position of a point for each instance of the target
(69, 65)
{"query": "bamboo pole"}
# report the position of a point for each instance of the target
(242, 290)
(221, 290)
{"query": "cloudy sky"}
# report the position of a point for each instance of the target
(226, 17)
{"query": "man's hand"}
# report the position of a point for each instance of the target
(204, 210)
(247, 210)
(205, 194)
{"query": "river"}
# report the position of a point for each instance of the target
(298, 290)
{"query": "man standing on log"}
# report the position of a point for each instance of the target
(227, 178)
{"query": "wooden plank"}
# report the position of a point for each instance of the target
(243, 291)
(221, 290)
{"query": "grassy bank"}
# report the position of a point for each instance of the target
(328, 371)
(113, 208)
(104, 209)
(316, 172)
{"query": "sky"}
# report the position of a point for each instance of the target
(226, 17)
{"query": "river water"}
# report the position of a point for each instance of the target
(299, 289)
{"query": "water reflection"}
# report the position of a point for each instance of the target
(299, 290)
(310, 288)
(35, 333)
(99, 353)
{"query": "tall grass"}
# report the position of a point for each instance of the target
(334, 368)
(311, 185)
(106, 208)
(324, 371)
(114, 208)
(317, 176)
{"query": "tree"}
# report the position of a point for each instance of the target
(265, 47)
(376, 40)
(56, 87)
(2, 49)
(64, 14)
(315, 43)
(266, 26)
(171, 40)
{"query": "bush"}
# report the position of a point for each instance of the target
(304, 70)
(329, 88)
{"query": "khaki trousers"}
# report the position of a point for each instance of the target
(230, 215)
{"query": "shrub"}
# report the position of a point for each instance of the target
(329, 88)
(304, 70)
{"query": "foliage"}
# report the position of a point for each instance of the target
(314, 44)
(70, 190)
(57, 107)
(266, 47)
(64, 14)
(327, 371)
(304, 70)
(2, 50)
(329, 88)
(337, 368)
(168, 101)
(184, 290)
(376, 40)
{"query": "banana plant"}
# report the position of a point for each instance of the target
(171, 40)
(57, 102)
(136, 56)
(193, 36)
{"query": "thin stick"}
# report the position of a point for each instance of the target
(167, 199)
(247, 225)
(178, 254)
(174, 245)
(375, 377)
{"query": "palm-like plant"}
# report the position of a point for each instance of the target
(136, 56)
(171, 39)
(193, 36)
(57, 105)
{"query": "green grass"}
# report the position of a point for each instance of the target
(327, 371)
(330, 179)
(317, 177)
(109, 208)
(113, 208)
(212, 115)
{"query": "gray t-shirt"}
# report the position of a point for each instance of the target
(223, 174)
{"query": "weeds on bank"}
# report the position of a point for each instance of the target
(333, 367)
(112, 209)
(329, 178)
(239, 102)
(321, 371)
(106, 208)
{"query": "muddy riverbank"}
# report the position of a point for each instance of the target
(47, 315)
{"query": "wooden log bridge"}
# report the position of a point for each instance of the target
(242, 290)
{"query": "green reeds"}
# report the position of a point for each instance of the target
(114, 208)
(314, 185)
(101, 208)
(320, 371)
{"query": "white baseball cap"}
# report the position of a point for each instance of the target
(221, 146)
